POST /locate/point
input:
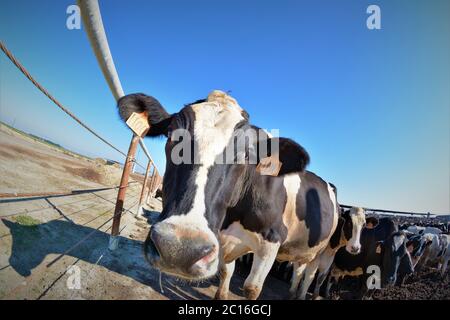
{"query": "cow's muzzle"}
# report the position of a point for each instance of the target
(185, 252)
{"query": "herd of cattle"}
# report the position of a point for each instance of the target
(397, 247)
(215, 212)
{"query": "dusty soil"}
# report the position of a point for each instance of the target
(27, 165)
(423, 285)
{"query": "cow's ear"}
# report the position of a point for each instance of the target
(158, 118)
(285, 152)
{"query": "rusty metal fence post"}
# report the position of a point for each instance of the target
(153, 182)
(140, 211)
(114, 239)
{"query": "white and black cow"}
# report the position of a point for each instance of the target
(347, 234)
(416, 245)
(444, 254)
(214, 213)
(432, 251)
(423, 230)
(381, 246)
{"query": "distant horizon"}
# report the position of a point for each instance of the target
(80, 153)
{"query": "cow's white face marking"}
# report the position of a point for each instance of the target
(358, 217)
(214, 125)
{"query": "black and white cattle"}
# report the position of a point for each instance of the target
(444, 254)
(382, 249)
(423, 230)
(347, 234)
(432, 251)
(416, 245)
(214, 212)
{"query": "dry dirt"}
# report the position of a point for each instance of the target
(28, 166)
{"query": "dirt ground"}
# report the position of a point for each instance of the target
(426, 284)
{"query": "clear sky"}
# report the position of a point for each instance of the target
(372, 107)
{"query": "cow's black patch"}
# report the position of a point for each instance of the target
(313, 216)
(260, 208)
(336, 237)
(179, 186)
(314, 206)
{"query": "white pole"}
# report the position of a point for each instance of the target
(92, 21)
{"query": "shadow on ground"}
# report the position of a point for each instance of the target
(32, 243)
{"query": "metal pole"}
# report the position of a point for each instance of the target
(114, 240)
(153, 181)
(140, 212)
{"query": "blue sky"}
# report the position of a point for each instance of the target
(372, 107)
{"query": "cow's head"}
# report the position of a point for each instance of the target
(199, 182)
(416, 246)
(392, 250)
(355, 220)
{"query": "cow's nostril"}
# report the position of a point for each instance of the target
(207, 250)
(204, 255)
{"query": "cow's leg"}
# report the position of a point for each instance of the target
(310, 272)
(297, 274)
(231, 250)
(330, 282)
(325, 262)
(263, 259)
(226, 272)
